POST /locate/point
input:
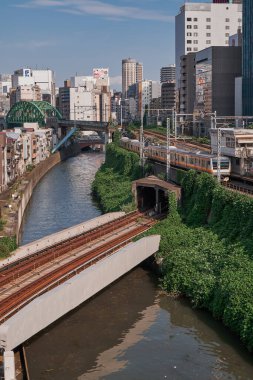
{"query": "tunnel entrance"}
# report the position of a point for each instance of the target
(146, 198)
(151, 193)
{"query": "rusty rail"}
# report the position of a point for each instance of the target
(11, 304)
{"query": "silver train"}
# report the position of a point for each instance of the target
(202, 162)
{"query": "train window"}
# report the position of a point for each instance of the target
(224, 165)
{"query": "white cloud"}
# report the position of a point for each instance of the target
(99, 8)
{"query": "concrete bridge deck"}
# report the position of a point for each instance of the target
(48, 307)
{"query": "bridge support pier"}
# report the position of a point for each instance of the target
(9, 365)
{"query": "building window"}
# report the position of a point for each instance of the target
(195, 49)
(195, 26)
(208, 34)
(230, 142)
(189, 49)
(189, 26)
(189, 19)
(239, 20)
(208, 42)
(208, 27)
(227, 35)
(195, 19)
(189, 41)
(227, 20)
(189, 34)
(195, 34)
(195, 42)
(227, 27)
(208, 20)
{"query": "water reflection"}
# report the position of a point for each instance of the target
(134, 331)
(62, 199)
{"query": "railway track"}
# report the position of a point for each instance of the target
(21, 266)
(28, 291)
(179, 142)
(238, 188)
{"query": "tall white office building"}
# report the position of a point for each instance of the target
(201, 25)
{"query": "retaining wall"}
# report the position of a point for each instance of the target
(35, 176)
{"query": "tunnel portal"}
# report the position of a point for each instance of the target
(151, 193)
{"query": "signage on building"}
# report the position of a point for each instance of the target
(27, 73)
(100, 73)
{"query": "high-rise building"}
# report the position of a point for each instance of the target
(247, 66)
(187, 83)
(168, 73)
(132, 72)
(215, 71)
(201, 25)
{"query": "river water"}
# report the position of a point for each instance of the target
(132, 330)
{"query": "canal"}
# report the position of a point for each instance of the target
(132, 330)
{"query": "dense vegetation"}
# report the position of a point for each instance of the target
(207, 252)
(7, 245)
(207, 243)
(112, 184)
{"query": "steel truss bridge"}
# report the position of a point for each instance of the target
(31, 112)
(44, 113)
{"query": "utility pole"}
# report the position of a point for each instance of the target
(141, 141)
(218, 154)
(168, 150)
(121, 116)
(74, 115)
(175, 124)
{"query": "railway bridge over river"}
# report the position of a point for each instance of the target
(44, 280)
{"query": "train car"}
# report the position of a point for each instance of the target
(202, 162)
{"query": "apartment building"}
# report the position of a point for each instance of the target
(44, 79)
(168, 73)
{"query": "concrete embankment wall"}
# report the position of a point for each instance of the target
(35, 176)
(52, 305)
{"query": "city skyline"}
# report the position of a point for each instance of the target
(52, 33)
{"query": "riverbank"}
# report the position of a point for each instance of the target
(15, 200)
(206, 245)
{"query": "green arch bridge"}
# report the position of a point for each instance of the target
(31, 112)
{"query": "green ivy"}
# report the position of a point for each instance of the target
(7, 245)
(112, 186)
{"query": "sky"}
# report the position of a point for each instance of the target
(74, 36)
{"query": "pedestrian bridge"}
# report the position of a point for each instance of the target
(109, 256)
